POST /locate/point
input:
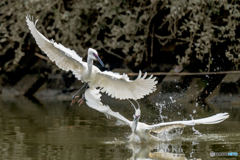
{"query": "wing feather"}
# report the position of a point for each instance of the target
(93, 100)
(119, 86)
(176, 124)
(64, 58)
(115, 85)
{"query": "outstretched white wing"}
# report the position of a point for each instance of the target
(93, 100)
(64, 58)
(119, 86)
(176, 124)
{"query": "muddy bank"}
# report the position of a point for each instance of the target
(62, 86)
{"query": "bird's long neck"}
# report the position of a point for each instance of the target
(90, 64)
(134, 126)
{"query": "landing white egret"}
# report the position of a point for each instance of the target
(141, 130)
(115, 85)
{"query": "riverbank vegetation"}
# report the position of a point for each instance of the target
(198, 35)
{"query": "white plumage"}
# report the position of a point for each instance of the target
(141, 130)
(114, 84)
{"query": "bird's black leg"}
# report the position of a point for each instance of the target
(74, 96)
(81, 100)
(83, 96)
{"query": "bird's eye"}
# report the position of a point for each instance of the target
(95, 55)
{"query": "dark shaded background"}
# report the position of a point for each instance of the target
(148, 35)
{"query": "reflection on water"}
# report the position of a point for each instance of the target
(56, 130)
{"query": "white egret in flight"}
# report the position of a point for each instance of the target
(141, 130)
(115, 85)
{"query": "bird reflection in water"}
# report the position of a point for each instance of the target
(158, 150)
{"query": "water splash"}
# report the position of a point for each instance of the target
(170, 135)
(161, 106)
(173, 101)
(195, 130)
(193, 151)
(115, 141)
(169, 148)
(157, 150)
